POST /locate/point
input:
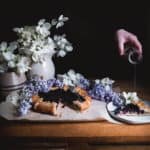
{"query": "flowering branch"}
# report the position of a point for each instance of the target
(35, 42)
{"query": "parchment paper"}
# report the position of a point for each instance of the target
(96, 112)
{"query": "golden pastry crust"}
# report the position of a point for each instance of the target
(36, 98)
(44, 107)
(86, 103)
(142, 106)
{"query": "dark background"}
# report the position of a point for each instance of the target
(91, 30)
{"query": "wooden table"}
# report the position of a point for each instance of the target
(91, 135)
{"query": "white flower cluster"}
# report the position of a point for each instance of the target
(130, 96)
(36, 42)
(71, 78)
(62, 45)
(106, 82)
(10, 60)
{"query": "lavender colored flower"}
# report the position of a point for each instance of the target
(23, 107)
(34, 86)
(103, 93)
(97, 92)
(58, 83)
(50, 82)
(118, 100)
(84, 83)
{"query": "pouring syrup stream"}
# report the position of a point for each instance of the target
(134, 77)
(134, 59)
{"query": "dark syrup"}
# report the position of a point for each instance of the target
(61, 95)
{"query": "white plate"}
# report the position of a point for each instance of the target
(130, 119)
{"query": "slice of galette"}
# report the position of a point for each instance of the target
(133, 105)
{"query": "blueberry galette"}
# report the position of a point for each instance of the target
(76, 98)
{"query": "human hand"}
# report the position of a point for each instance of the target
(124, 37)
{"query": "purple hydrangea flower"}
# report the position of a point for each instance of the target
(84, 83)
(100, 92)
(23, 107)
(34, 86)
(58, 83)
(97, 92)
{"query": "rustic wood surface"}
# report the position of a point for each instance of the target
(92, 133)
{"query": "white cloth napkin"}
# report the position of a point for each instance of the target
(96, 112)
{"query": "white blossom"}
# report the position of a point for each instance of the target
(97, 81)
(43, 28)
(63, 44)
(41, 22)
(59, 24)
(18, 30)
(37, 57)
(12, 46)
(61, 21)
(23, 64)
(8, 56)
(107, 81)
(71, 78)
(72, 75)
(130, 96)
(53, 22)
(3, 46)
(68, 82)
(11, 64)
(69, 48)
(61, 53)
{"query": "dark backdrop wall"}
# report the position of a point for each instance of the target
(91, 30)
